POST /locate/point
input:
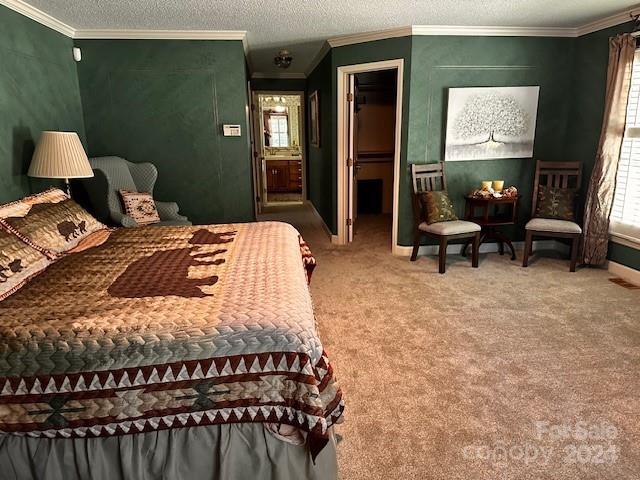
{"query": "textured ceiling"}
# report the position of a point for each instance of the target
(302, 25)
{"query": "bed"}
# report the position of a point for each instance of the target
(168, 352)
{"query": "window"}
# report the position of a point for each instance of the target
(279, 130)
(625, 214)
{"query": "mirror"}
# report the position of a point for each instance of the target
(280, 119)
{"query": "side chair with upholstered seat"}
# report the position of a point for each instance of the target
(431, 178)
(560, 182)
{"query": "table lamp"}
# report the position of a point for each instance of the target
(60, 155)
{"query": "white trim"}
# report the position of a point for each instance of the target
(627, 273)
(342, 40)
(282, 75)
(135, 34)
(610, 21)
(482, 31)
(343, 73)
(318, 58)
(39, 16)
(454, 248)
(625, 240)
(452, 30)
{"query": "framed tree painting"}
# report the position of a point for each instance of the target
(491, 122)
(314, 119)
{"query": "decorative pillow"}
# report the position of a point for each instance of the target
(140, 207)
(558, 203)
(436, 207)
(55, 228)
(18, 263)
(21, 207)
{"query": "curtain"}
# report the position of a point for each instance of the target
(603, 177)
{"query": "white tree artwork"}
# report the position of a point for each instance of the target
(491, 122)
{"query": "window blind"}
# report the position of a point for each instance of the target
(625, 213)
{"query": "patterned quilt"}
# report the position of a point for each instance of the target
(165, 327)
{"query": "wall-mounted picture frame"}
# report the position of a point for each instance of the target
(491, 122)
(314, 119)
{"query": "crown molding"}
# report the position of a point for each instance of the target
(282, 75)
(486, 31)
(39, 16)
(47, 20)
(369, 36)
(318, 58)
(134, 34)
(611, 21)
(453, 30)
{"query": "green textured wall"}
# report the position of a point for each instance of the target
(320, 178)
(165, 101)
(624, 255)
(38, 91)
(439, 63)
(434, 64)
(590, 74)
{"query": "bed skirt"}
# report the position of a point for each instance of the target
(217, 452)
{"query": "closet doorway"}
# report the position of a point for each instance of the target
(368, 161)
(278, 148)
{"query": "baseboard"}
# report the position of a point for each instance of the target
(333, 238)
(454, 248)
(629, 274)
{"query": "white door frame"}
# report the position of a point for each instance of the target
(343, 76)
(257, 119)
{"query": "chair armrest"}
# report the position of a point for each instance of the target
(123, 220)
(169, 211)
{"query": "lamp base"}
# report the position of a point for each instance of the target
(67, 187)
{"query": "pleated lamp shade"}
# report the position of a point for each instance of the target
(60, 155)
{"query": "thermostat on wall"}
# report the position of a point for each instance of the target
(231, 130)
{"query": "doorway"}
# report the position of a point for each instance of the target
(369, 142)
(278, 148)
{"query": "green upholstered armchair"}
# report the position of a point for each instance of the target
(113, 174)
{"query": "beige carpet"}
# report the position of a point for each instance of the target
(445, 376)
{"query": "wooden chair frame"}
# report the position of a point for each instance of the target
(558, 175)
(430, 177)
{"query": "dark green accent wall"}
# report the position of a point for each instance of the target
(434, 64)
(439, 63)
(321, 179)
(164, 101)
(624, 255)
(590, 75)
(38, 91)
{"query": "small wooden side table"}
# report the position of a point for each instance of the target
(495, 212)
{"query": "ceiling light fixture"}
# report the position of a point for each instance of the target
(283, 59)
